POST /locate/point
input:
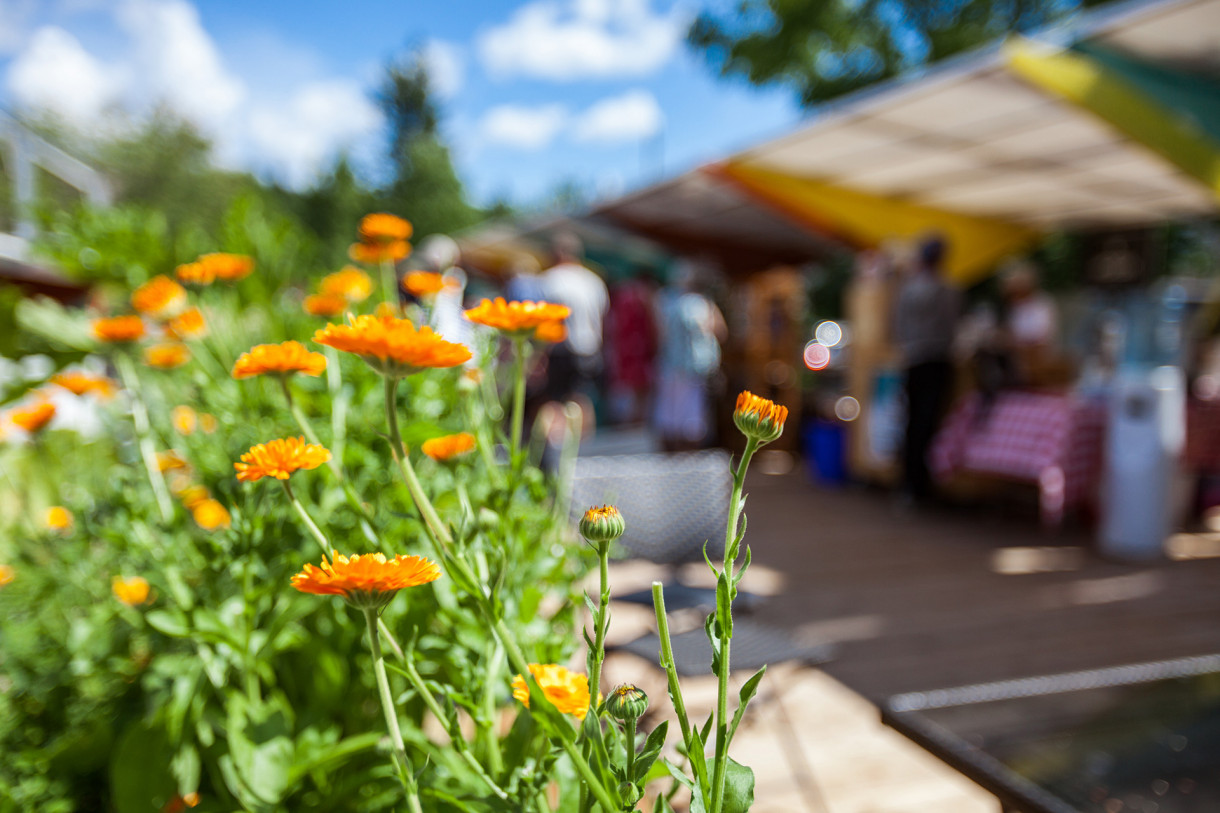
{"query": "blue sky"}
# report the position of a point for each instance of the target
(600, 92)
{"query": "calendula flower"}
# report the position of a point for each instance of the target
(279, 459)
(191, 494)
(79, 383)
(384, 228)
(133, 591)
(516, 317)
(551, 332)
(35, 417)
(324, 305)
(365, 580)
(350, 283)
(285, 358)
(167, 356)
(185, 419)
(170, 460)
(181, 803)
(187, 325)
(373, 253)
(423, 283)
(627, 702)
(228, 267)
(568, 691)
(160, 297)
(207, 423)
(448, 447)
(209, 514)
(603, 524)
(58, 518)
(393, 347)
(195, 274)
(7, 574)
(116, 329)
(759, 418)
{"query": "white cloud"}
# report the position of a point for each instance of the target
(527, 128)
(56, 73)
(632, 116)
(578, 39)
(446, 67)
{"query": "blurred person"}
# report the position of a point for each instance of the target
(1031, 324)
(524, 284)
(440, 254)
(690, 328)
(631, 347)
(925, 320)
(575, 363)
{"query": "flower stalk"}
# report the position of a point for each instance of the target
(401, 761)
(148, 452)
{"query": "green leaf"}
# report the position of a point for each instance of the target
(724, 605)
(169, 622)
(140, 777)
(652, 749)
(748, 690)
(738, 789)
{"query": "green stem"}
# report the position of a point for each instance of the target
(389, 283)
(598, 655)
(391, 716)
(148, 452)
(693, 749)
(629, 742)
(252, 689)
(519, 349)
(440, 533)
(314, 530)
(492, 678)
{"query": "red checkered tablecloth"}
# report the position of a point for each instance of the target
(1053, 441)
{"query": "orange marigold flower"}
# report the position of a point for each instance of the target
(119, 329)
(384, 228)
(285, 358)
(132, 592)
(58, 518)
(187, 325)
(7, 574)
(195, 273)
(170, 460)
(758, 418)
(160, 297)
(185, 419)
(568, 691)
(230, 267)
(209, 514)
(324, 305)
(192, 495)
(167, 356)
(514, 317)
(551, 332)
(35, 417)
(350, 283)
(423, 283)
(365, 580)
(447, 447)
(393, 347)
(79, 383)
(279, 459)
(373, 253)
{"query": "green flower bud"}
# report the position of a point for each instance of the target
(758, 418)
(601, 525)
(630, 792)
(627, 702)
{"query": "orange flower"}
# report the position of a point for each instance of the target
(447, 447)
(132, 592)
(167, 356)
(279, 459)
(210, 515)
(119, 329)
(170, 460)
(7, 574)
(187, 325)
(324, 305)
(373, 253)
(758, 418)
(423, 283)
(568, 691)
(79, 383)
(230, 267)
(551, 332)
(193, 495)
(160, 297)
(35, 417)
(195, 273)
(384, 228)
(515, 317)
(366, 581)
(279, 359)
(184, 419)
(58, 518)
(393, 347)
(350, 283)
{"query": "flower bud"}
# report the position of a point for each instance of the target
(630, 792)
(759, 419)
(627, 702)
(601, 525)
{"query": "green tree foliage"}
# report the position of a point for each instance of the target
(825, 48)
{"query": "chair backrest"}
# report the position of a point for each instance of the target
(673, 503)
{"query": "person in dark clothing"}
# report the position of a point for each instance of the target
(925, 319)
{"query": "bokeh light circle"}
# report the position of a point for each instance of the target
(847, 408)
(828, 333)
(817, 356)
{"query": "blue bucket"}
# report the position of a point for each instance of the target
(825, 445)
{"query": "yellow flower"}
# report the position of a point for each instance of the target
(34, 418)
(119, 329)
(324, 305)
(132, 592)
(195, 274)
(758, 418)
(230, 267)
(79, 383)
(368, 580)
(207, 423)
(350, 283)
(285, 358)
(393, 347)
(551, 332)
(187, 325)
(448, 447)
(384, 228)
(58, 518)
(373, 253)
(192, 495)
(7, 574)
(515, 317)
(209, 514)
(568, 691)
(167, 356)
(279, 459)
(423, 283)
(184, 418)
(170, 460)
(160, 297)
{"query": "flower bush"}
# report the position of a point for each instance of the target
(155, 655)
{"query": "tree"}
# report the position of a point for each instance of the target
(825, 48)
